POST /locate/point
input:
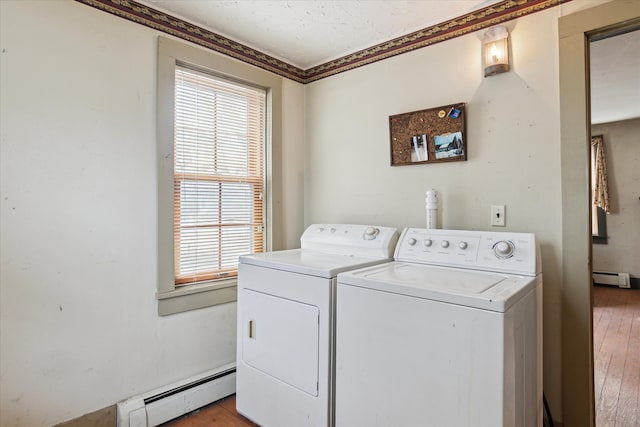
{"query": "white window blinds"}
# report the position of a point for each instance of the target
(218, 175)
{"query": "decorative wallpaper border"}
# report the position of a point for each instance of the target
(474, 21)
(161, 21)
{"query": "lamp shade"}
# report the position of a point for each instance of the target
(495, 45)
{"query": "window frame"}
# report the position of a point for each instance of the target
(600, 237)
(217, 176)
(172, 299)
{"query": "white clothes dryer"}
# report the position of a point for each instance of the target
(286, 322)
(448, 334)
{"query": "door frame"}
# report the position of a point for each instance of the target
(574, 32)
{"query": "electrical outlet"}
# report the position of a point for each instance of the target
(498, 217)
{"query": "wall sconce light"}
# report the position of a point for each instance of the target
(495, 44)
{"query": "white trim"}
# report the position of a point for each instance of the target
(161, 405)
(621, 280)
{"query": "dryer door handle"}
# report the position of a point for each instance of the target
(251, 329)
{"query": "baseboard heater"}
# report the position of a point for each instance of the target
(169, 402)
(620, 280)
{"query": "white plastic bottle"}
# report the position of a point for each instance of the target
(432, 208)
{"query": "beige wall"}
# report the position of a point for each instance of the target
(513, 149)
(622, 150)
(513, 135)
(79, 328)
(293, 119)
(77, 278)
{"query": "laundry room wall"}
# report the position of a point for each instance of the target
(622, 151)
(79, 328)
(513, 148)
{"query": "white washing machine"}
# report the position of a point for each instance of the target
(286, 322)
(448, 334)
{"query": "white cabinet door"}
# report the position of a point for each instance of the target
(281, 339)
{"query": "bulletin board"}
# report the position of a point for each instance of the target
(429, 136)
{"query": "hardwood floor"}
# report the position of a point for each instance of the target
(616, 345)
(218, 414)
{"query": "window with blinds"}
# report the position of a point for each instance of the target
(219, 138)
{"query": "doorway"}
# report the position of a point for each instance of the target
(614, 63)
(577, 351)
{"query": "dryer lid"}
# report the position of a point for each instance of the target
(310, 262)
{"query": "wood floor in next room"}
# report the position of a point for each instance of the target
(616, 351)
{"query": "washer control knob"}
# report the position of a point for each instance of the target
(412, 241)
(463, 245)
(320, 229)
(503, 249)
(333, 230)
(444, 244)
(370, 233)
(427, 242)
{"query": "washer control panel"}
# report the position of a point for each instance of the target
(351, 239)
(480, 250)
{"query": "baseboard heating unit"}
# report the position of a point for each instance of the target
(620, 280)
(169, 402)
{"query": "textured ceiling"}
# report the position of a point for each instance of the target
(306, 33)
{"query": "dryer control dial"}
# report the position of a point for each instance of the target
(444, 244)
(463, 245)
(412, 241)
(370, 233)
(427, 242)
(503, 249)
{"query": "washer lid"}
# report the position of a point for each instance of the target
(478, 289)
(310, 262)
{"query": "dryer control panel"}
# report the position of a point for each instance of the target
(351, 239)
(515, 253)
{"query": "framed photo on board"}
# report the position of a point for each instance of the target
(429, 136)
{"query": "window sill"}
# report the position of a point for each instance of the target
(601, 240)
(192, 297)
